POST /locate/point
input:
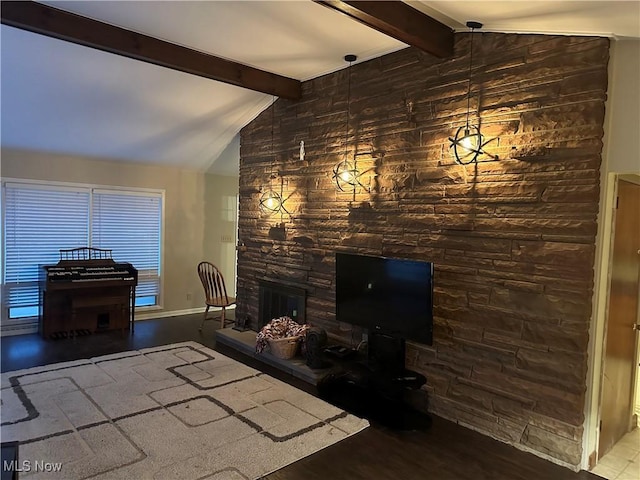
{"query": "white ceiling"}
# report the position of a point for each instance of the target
(65, 98)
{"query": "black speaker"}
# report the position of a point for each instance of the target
(316, 340)
(386, 354)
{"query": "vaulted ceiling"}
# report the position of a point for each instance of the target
(67, 98)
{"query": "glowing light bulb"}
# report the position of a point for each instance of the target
(346, 176)
(467, 143)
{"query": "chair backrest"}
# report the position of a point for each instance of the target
(213, 282)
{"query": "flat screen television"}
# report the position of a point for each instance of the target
(386, 295)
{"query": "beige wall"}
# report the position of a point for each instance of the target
(220, 229)
(622, 141)
(194, 220)
(621, 155)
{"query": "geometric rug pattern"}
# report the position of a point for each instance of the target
(180, 411)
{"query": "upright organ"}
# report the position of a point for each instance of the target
(87, 291)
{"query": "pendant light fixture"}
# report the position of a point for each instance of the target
(270, 200)
(346, 174)
(467, 142)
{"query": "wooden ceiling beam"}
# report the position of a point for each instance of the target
(52, 22)
(400, 21)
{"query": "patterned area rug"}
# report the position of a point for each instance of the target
(180, 411)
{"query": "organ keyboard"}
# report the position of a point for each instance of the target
(83, 273)
(87, 290)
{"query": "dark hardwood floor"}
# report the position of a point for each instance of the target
(24, 351)
(446, 451)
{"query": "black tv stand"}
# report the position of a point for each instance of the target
(375, 387)
(379, 399)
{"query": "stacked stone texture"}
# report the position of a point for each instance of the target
(512, 237)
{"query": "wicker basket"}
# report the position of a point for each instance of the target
(284, 347)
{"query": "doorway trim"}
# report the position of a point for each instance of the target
(599, 317)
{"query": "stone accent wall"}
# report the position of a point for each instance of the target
(512, 237)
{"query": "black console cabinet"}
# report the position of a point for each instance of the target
(369, 390)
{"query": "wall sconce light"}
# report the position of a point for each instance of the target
(270, 200)
(467, 142)
(346, 174)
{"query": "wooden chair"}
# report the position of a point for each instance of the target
(214, 290)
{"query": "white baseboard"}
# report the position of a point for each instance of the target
(174, 313)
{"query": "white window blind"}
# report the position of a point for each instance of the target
(129, 224)
(39, 221)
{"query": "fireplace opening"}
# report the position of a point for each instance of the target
(277, 300)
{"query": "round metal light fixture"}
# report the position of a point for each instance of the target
(346, 174)
(467, 142)
(270, 202)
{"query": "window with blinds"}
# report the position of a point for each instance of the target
(39, 220)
